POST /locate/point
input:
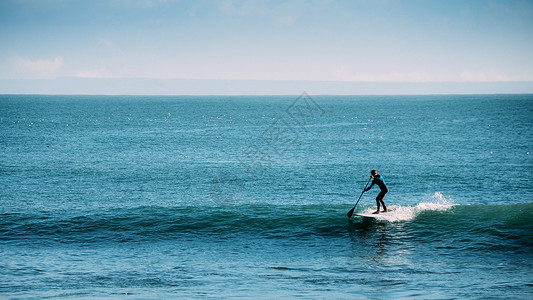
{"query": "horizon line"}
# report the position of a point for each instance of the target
(172, 87)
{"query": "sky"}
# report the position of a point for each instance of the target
(315, 40)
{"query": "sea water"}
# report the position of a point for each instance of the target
(236, 196)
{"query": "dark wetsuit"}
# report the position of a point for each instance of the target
(382, 186)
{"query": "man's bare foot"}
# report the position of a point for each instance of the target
(385, 210)
(376, 212)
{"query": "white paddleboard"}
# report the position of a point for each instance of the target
(373, 216)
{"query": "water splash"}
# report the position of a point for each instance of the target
(438, 202)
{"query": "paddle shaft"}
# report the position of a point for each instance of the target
(350, 213)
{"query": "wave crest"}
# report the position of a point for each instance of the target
(438, 202)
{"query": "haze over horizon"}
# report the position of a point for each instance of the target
(275, 41)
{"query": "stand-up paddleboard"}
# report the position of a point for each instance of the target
(373, 216)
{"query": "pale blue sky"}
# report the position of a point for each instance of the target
(413, 41)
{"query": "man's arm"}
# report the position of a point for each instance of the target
(373, 181)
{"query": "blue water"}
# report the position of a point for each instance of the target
(220, 197)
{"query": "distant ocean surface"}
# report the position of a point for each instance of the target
(140, 197)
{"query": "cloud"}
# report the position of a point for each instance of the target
(473, 76)
(91, 74)
(343, 75)
(38, 68)
(466, 75)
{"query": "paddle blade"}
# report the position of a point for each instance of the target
(350, 213)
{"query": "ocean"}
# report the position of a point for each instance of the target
(145, 197)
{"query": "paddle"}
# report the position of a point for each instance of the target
(350, 213)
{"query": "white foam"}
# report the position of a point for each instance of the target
(406, 213)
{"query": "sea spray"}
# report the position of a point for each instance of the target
(407, 212)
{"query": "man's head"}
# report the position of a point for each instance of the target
(373, 173)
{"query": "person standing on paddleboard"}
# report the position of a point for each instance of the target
(382, 186)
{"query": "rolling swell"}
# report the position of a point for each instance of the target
(494, 222)
(471, 228)
(157, 223)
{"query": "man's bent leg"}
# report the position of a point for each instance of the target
(377, 203)
(380, 199)
(384, 206)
